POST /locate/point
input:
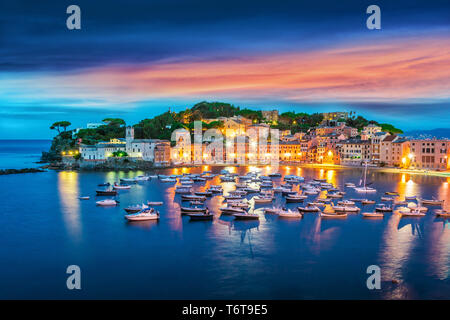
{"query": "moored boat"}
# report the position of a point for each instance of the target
(106, 192)
(135, 209)
(433, 202)
(121, 186)
(373, 214)
(442, 213)
(143, 215)
(84, 198)
(155, 203)
(246, 216)
(289, 214)
(107, 202)
(309, 208)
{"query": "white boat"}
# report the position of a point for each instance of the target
(168, 180)
(129, 180)
(387, 199)
(261, 200)
(84, 198)
(154, 203)
(411, 213)
(201, 216)
(349, 209)
(364, 187)
(182, 189)
(274, 175)
(309, 208)
(107, 202)
(231, 210)
(442, 213)
(346, 203)
(295, 198)
(121, 187)
(142, 178)
(146, 214)
(433, 202)
(373, 214)
(289, 214)
(333, 215)
(246, 216)
(135, 209)
(410, 198)
(188, 197)
(383, 208)
(350, 185)
(366, 201)
(272, 210)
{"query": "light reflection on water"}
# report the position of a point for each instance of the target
(269, 258)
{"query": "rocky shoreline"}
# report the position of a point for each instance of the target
(17, 171)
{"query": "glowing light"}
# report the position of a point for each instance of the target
(410, 156)
(330, 154)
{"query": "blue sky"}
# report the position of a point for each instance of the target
(135, 59)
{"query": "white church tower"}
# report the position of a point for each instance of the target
(129, 137)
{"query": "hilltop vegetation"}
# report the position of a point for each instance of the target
(162, 126)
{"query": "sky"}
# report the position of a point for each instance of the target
(135, 59)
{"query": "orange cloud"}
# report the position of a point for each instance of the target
(397, 70)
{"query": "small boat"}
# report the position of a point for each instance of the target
(246, 216)
(182, 190)
(84, 198)
(387, 199)
(201, 216)
(196, 203)
(272, 210)
(346, 203)
(274, 175)
(366, 201)
(128, 180)
(295, 198)
(309, 208)
(189, 197)
(231, 210)
(143, 215)
(349, 209)
(168, 180)
(333, 215)
(442, 213)
(261, 200)
(311, 192)
(320, 180)
(365, 189)
(411, 213)
(106, 192)
(251, 190)
(289, 214)
(400, 203)
(349, 185)
(410, 198)
(107, 202)
(107, 184)
(383, 208)
(142, 178)
(373, 214)
(233, 197)
(391, 193)
(203, 193)
(154, 203)
(433, 202)
(334, 195)
(135, 209)
(189, 209)
(121, 187)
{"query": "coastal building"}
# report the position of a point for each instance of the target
(369, 131)
(376, 146)
(394, 150)
(102, 150)
(334, 116)
(431, 154)
(354, 152)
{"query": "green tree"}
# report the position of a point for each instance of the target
(60, 124)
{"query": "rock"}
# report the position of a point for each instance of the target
(16, 171)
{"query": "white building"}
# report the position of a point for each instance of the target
(143, 149)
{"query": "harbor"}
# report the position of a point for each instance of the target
(245, 236)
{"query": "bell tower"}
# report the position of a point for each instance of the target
(129, 137)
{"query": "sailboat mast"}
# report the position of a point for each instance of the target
(365, 174)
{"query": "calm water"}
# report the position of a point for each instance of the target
(18, 154)
(44, 228)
